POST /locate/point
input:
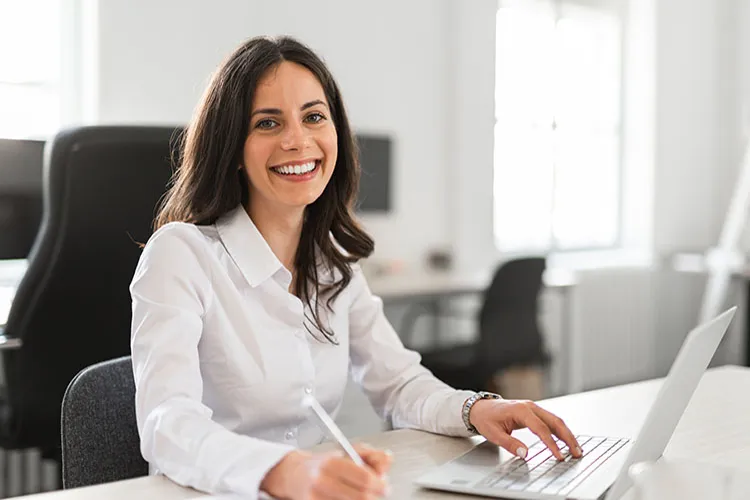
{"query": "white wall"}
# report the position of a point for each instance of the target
(389, 58)
(423, 72)
(698, 143)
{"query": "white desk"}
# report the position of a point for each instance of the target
(713, 430)
(11, 272)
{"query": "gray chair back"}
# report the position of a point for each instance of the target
(100, 441)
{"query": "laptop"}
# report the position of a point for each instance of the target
(602, 472)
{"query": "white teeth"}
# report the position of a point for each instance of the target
(296, 169)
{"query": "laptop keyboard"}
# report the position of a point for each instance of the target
(541, 472)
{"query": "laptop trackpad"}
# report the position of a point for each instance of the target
(469, 468)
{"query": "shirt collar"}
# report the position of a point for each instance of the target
(247, 247)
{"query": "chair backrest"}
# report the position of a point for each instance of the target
(508, 319)
(100, 440)
(73, 308)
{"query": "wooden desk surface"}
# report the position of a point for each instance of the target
(713, 430)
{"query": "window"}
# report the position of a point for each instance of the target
(558, 126)
(30, 37)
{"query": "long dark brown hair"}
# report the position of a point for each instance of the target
(207, 183)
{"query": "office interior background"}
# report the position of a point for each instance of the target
(605, 135)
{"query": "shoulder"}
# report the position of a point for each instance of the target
(177, 246)
(176, 236)
(358, 282)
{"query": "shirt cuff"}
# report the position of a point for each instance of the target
(451, 421)
(260, 460)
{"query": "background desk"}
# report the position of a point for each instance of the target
(11, 272)
(430, 291)
(696, 263)
(713, 430)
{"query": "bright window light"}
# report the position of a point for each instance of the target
(557, 132)
(29, 67)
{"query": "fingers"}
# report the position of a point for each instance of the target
(331, 488)
(379, 460)
(352, 477)
(538, 427)
(510, 443)
(558, 427)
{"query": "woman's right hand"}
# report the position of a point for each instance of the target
(301, 475)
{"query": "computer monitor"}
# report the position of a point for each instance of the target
(20, 196)
(375, 183)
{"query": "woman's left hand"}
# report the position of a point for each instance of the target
(495, 419)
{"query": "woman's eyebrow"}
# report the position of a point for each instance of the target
(277, 111)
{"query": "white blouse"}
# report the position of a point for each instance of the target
(222, 360)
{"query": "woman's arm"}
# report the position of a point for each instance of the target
(398, 386)
(171, 293)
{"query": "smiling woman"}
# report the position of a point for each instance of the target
(297, 117)
(248, 300)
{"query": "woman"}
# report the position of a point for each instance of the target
(248, 298)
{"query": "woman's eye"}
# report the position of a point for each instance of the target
(315, 118)
(265, 124)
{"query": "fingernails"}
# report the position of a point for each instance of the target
(521, 452)
(388, 452)
(578, 450)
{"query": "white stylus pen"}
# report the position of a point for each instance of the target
(333, 429)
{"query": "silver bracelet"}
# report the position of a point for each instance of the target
(465, 412)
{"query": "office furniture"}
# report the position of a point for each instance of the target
(100, 441)
(72, 306)
(509, 334)
(11, 272)
(713, 430)
(430, 290)
(20, 196)
(697, 263)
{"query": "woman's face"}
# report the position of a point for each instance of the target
(291, 149)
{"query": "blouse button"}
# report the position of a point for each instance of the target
(308, 390)
(289, 435)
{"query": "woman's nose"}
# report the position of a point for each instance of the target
(294, 137)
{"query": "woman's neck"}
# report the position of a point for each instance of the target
(282, 231)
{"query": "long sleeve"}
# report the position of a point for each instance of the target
(171, 293)
(397, 385)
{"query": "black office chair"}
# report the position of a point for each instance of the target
(509, 334)
(100, 441)
(73, 307)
